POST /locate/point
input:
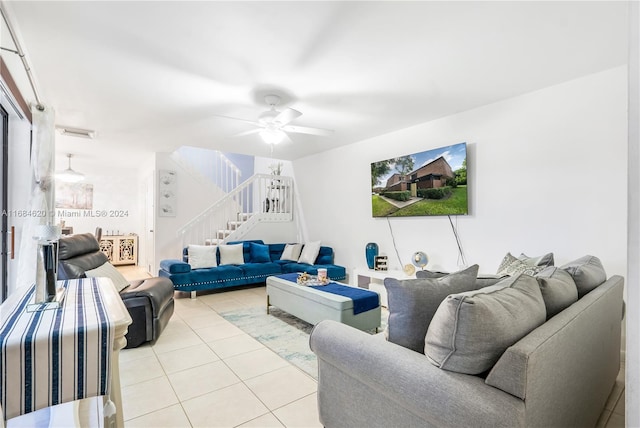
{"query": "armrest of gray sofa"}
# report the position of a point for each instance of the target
(365, 381)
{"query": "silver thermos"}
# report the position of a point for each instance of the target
(47, 263)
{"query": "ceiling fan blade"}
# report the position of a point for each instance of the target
(307, 130)
(286, 139)
(286, 116)
(251, 131)
(253, 122)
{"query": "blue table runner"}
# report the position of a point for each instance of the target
(363, 300)
(57, 355)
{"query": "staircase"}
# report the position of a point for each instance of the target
(210, 167)
(261, 198)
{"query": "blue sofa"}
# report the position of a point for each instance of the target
(253, 271)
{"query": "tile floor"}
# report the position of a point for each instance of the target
(205, 372)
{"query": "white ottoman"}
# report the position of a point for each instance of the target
(313, 305)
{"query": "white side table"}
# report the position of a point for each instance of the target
(373, 280)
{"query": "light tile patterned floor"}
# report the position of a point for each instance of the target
(205, 372)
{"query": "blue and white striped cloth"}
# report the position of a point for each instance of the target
(57, 355)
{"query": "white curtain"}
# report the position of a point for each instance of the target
(42, 201)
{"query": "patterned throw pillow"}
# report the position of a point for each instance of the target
(512, 266)
(545, 260)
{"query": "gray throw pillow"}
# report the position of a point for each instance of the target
(587, 272)
(422, 274)
(558, 290)
(511, 266)
(544, 260)
(412, 303)
(470, 331)
(483, 280)
(107, 270)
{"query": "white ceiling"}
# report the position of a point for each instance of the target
(151, 76)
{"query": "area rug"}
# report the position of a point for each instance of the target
(284, 334)
(281, 332)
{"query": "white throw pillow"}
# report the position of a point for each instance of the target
(291, 252)
(107, 270)
(231, 255)
(310, 252)
(202, 256)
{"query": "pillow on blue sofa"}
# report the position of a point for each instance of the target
(471, 330)
(231, 254)
(202, 256)
(291, 252)
(325, 256)
(310, 252)
(412, 303)
(259, 253)
(175, 266)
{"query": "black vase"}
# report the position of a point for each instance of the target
(371, 251)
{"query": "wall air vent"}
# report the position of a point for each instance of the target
(76, 132)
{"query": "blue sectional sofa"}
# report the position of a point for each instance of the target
(253, 271)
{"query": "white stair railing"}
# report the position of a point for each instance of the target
(262, 197)
(209, 166)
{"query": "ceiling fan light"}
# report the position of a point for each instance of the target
(272, 136)
(69, 175)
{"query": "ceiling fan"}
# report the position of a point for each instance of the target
(273, 125)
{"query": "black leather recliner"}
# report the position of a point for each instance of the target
(149, 301)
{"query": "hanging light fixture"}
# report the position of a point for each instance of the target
(69, 175)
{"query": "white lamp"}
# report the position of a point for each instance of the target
(69, 175)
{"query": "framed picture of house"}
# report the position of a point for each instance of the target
(433, 182)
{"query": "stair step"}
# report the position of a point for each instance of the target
(244, 216)
(213, 241)
(233, 225)
(223, 233)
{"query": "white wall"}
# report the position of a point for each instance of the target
(193, 197)
(547, 172)
(633, 277)
(116, 192)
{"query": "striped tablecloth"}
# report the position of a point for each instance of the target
(57, 355)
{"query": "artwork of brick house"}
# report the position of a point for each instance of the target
(396, 182)
(432, 175)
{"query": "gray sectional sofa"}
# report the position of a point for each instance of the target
(559, 374)
(259, 261)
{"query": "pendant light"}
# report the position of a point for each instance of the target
(69, 175)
